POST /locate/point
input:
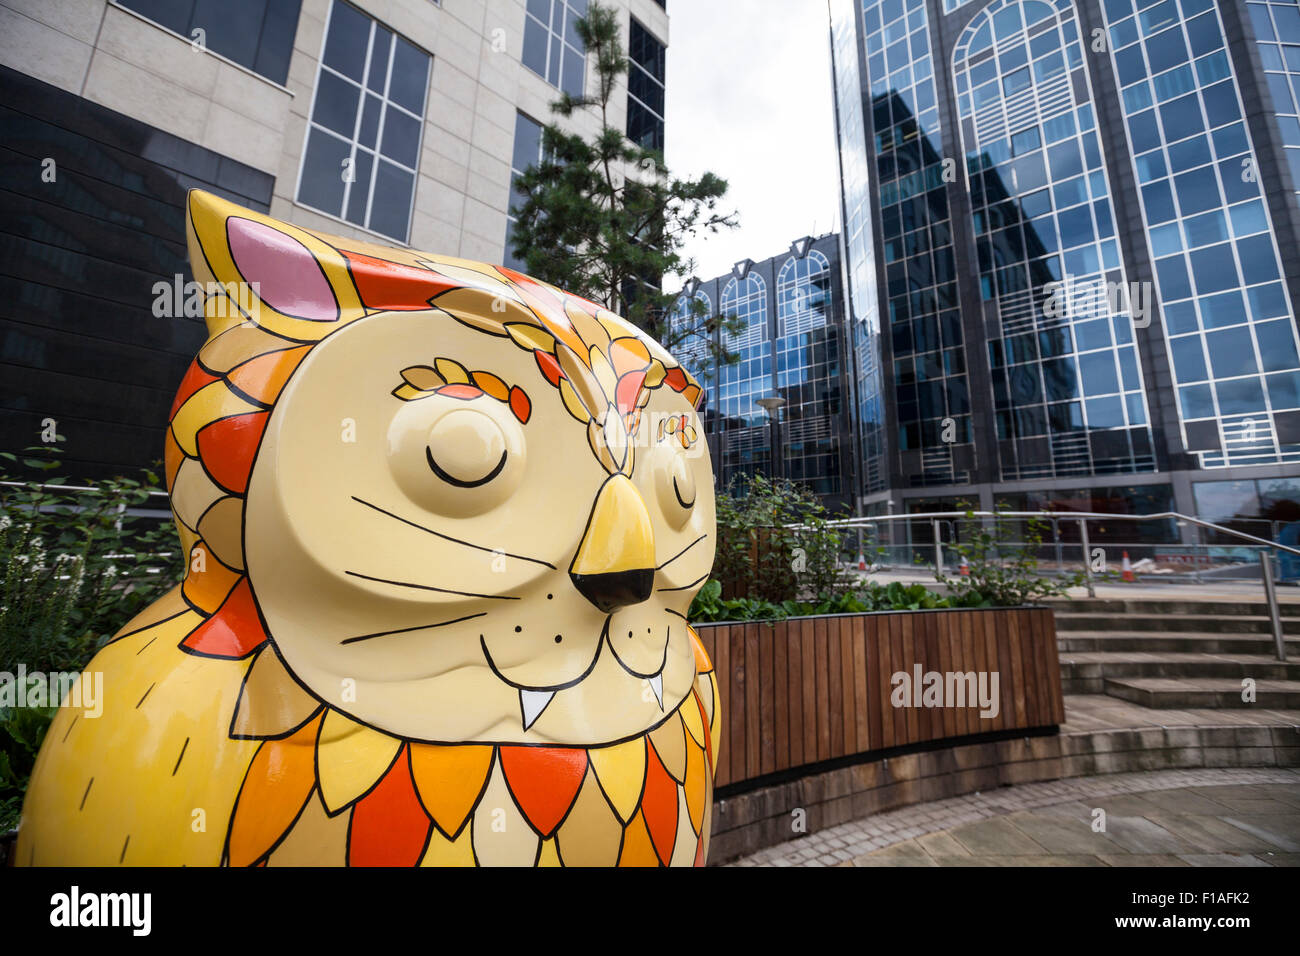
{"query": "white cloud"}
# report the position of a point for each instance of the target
(749, 98)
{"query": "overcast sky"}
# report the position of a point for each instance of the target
(749, 98)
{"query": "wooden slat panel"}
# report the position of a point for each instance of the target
(907, 657)
(780, 695)
(1054, 667)
(937, 638)
(846, 685)
(974, 634)
(1033, 688)
(753, 682)
(861, 720)
(1017, 667)
(924, 720)
(896, 718)
(1000, 633)
(823, 690)
(794, 658)
(811, 690)
(808, 640)
(835, 687)
(737, 711)
(873, 628)
(766, 698)
(965, 640)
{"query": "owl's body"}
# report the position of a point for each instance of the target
(444, 524)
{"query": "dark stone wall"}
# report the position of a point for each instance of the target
(79, 257)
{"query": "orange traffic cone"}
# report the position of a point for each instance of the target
(964, 568)
(862, 561)
(1126, 570)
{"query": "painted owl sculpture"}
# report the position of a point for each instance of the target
(444, 523)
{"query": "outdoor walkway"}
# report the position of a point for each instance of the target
(1227, 817)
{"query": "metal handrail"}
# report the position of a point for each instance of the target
(1083, 517)
(1069, 515)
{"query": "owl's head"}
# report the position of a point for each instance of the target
(456, 503)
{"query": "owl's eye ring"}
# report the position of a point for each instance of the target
(460, 482)
(678, 495)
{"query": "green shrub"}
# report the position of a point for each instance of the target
(709, 606)
(1003, 571)
(773, 542)
(75, 566)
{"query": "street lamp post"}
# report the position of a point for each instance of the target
(772, 405)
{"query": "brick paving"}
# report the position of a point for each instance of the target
(1212, 817)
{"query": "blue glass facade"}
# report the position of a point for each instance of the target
(1228, 320)
(1055, 218)
(1067, 388)
(789, 342)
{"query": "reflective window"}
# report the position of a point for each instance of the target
(552, 48)
(808, 372)
(1277, 32)
(1217, 272)
(1065, 369)
(527, 152)
(750, 378)
(857, 190)
(693, 350)
(645, 88)
(920, 294)
(257, 34)
(363, 142)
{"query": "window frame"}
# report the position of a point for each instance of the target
(353, 142)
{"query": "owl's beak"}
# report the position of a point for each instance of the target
(615, 563)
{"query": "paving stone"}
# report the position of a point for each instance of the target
(1140, 835)
(1282, 830)
(994, 837)
(1211, 833)
(1221, 859)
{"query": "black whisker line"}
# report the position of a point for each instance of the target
(407, 630)
(447, 537)
(681, 552)
(428, 587)
(677, 614)
(684, 587)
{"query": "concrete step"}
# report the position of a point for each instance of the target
(1085, 672)
(1070, 642)
(1200, 623)
(1177, 693)
(1254, 607)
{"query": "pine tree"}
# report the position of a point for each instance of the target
(605, 219)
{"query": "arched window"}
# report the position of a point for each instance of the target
(691, 351)
(746, 299)
(803, 294)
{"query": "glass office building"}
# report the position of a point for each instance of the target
(789, 344)
(1071, 249)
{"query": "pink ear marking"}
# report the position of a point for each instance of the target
(289, 278)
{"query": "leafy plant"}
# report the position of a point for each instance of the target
(21, 731)
(709, 605)
(75, 566)
(1004, 571)
(775, 544)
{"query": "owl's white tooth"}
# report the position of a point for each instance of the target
(532, 703)
(657, 685)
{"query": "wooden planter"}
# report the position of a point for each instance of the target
(809, 691)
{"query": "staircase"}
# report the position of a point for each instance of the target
(1178, 654)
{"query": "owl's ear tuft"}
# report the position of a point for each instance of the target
(284, 273)
(277, 276)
